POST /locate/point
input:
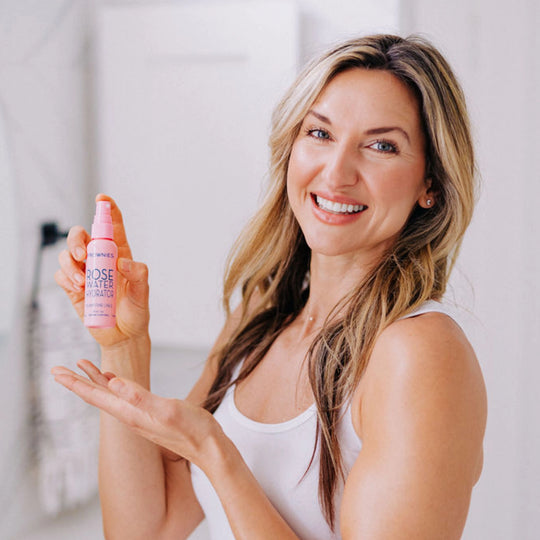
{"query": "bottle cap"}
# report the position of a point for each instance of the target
(103, 227)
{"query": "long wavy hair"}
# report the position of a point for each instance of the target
(271, 258)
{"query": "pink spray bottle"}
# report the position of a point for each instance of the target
(100, 292)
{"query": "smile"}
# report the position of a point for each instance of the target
(338, 208)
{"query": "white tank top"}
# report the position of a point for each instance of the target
(278, 456)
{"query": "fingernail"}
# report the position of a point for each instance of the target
(79, 278)
(79, 253)
(125, 265)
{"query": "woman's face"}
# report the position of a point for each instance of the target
(357, 166)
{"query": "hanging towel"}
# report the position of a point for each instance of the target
(66, 429)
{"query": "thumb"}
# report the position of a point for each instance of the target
(136, 274)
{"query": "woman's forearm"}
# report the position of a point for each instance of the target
(248, 509)
(131, 475)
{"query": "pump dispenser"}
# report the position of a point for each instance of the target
(102, 253)
(102, 226)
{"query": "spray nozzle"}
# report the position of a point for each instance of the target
(103, 212)
(102, 227)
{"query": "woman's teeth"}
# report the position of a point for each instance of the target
(338, 208)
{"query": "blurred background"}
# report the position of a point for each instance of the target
(166, 107)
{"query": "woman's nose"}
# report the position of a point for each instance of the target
(341, 168)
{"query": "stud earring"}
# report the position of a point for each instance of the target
(428, 202)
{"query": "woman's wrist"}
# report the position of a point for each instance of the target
(129, 359)
(238, 490)
(127, 344)
(219, 458)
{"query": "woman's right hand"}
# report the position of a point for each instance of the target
(132, 313)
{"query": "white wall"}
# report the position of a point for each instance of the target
(494, 48)
(8, 235)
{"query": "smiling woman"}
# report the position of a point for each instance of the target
(341, 399)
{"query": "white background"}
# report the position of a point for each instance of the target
(46, 77)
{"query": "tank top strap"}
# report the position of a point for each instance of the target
(434, 306)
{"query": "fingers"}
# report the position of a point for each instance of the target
(66, 283)
(136, 274)
(119, 230)
(77, 241)
(133, 393)
(125, 400)
(70, 276)
(74, 291)
(133, 271)
(127, 390)
(94, 373)
(94, 394)
(72, 270)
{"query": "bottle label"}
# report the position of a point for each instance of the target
(100, 291)
(100, 282)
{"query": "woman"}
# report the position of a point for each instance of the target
(345, 400)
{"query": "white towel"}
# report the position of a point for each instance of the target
(66, 428)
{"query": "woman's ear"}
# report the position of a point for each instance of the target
(427, 199)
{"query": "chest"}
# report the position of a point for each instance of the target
(279, 456)
(278, 389)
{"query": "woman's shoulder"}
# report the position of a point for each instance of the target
(429, 337)
(424, 355)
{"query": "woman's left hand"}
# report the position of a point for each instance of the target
(176, 425)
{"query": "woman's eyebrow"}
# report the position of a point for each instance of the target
(320, 116)
(380, 130)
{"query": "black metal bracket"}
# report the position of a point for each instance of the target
(50, 234)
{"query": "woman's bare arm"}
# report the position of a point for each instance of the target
(156, 499)
(423, 416)
(131, 474)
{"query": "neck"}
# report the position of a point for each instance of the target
(331, 279)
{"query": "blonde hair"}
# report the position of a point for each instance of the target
(271, 258)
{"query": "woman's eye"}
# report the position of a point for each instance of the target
(318, 133)
(385, 147)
